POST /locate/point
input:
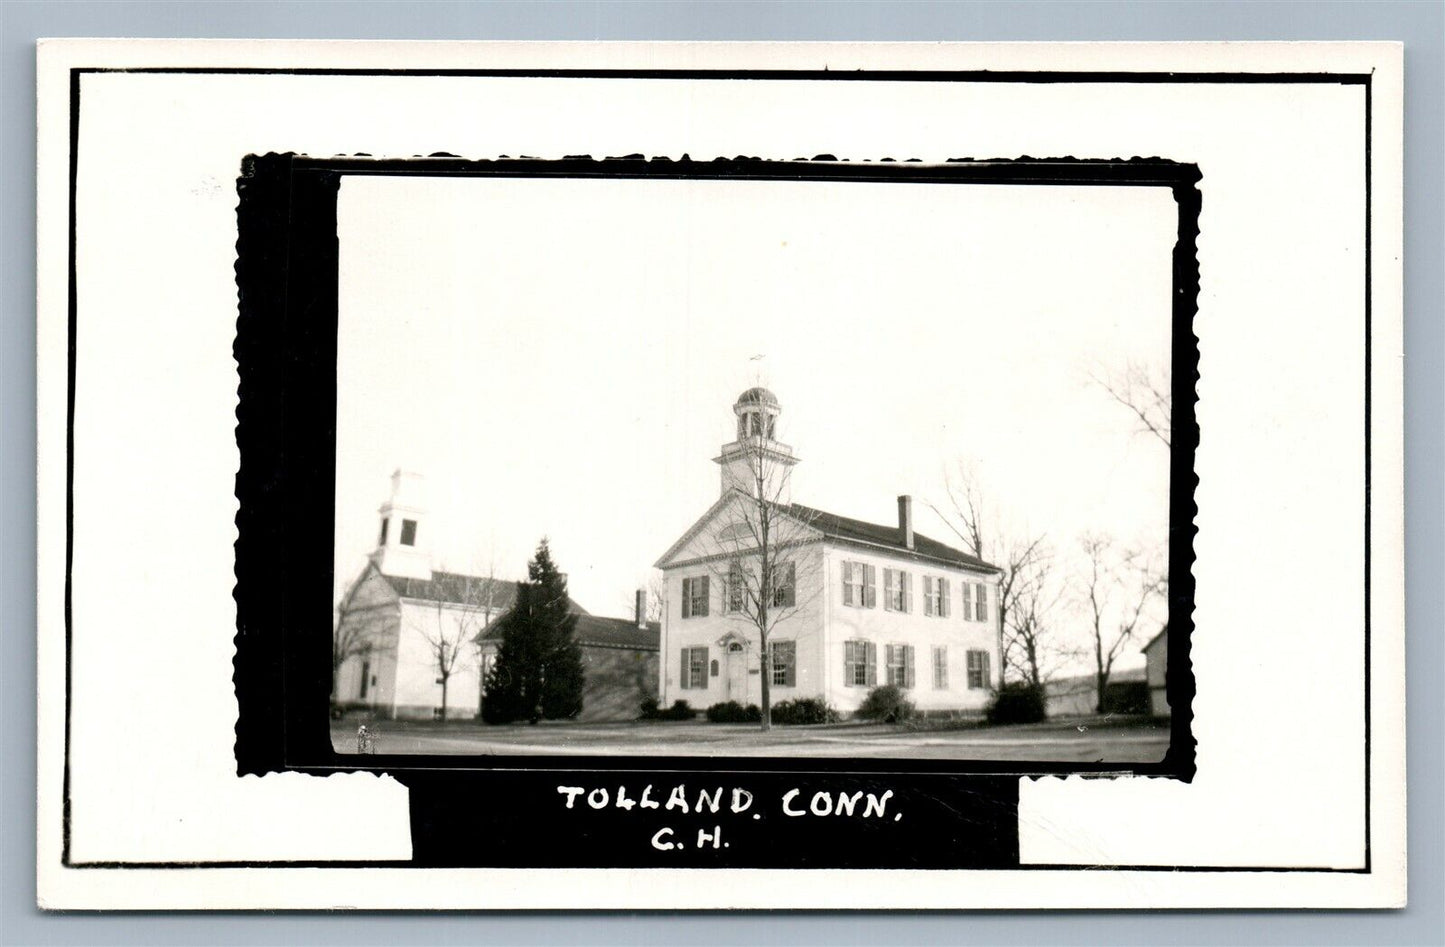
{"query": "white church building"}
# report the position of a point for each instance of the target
(400, 608)
(858, 604)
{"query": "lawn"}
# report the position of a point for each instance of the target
(1105, 739)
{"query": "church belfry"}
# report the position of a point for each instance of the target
(756, 455)
(400, 546)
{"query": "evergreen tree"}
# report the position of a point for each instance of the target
(538, 672)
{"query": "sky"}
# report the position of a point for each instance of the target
(559, 358)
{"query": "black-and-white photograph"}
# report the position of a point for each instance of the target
(974, 469)
(753, 468)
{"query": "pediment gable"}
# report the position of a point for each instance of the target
(719, 532)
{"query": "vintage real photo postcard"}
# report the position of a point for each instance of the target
(974, 470)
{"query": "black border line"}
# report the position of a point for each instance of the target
(1369, 286)
(977, 76)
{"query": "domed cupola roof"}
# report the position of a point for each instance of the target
(758, 396)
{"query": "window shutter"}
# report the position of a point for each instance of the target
(908, 665)
(982, 602)
(943, 591)
(870, 583)
(928, 600)
(847, 583)
(987, 675)
(686, 598)
(703, 594)
(686, 669)
(906, 581)
(870, 652)
(968, 601)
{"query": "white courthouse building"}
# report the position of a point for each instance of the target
(862, 604)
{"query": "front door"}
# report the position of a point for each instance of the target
(737, 673)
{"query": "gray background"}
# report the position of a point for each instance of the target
(1421, 25)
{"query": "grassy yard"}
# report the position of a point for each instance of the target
(1094, 739)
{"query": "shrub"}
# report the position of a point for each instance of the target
(351, 708)
(648, 709)
(680, 710)
(888, 704)
(734, 712)
(1126, 697)
(804, 710)
(1016, 703)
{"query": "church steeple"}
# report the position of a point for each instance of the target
(756, 456)
(401, 542)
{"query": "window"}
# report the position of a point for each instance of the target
(365, 678)
(940, 668)
(408, 532)
(980, 603)
(968, 601)
(742, 426)
(859, 663)
(784, 592)
(897, 591)
(694, 597)
(713, 666)
(382, 541)
(737, 588)
(900, 664)
(694, 668)
(785, 663)
(978, 675)
(859, 585)
(935, 596)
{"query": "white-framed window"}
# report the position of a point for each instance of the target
(785, 663)
(935, 596)
(940, 667)
(785, 592)
(980, 602)
(979, 677)
(694, 597)
(694, 668)
(900, 664)
(737, 589)
(385, 522)
(860, 667)
(408, 532)
(860, 588)
(897, 590)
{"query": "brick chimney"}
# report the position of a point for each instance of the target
(905, 519)
(641, 608)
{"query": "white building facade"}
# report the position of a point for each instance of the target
(859, 605)
(400, 610)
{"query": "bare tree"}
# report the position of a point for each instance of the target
(1024, 559)
(1117, 591)
(760, 553)
(1144, 391)
(456, 619)
(1032, 645)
